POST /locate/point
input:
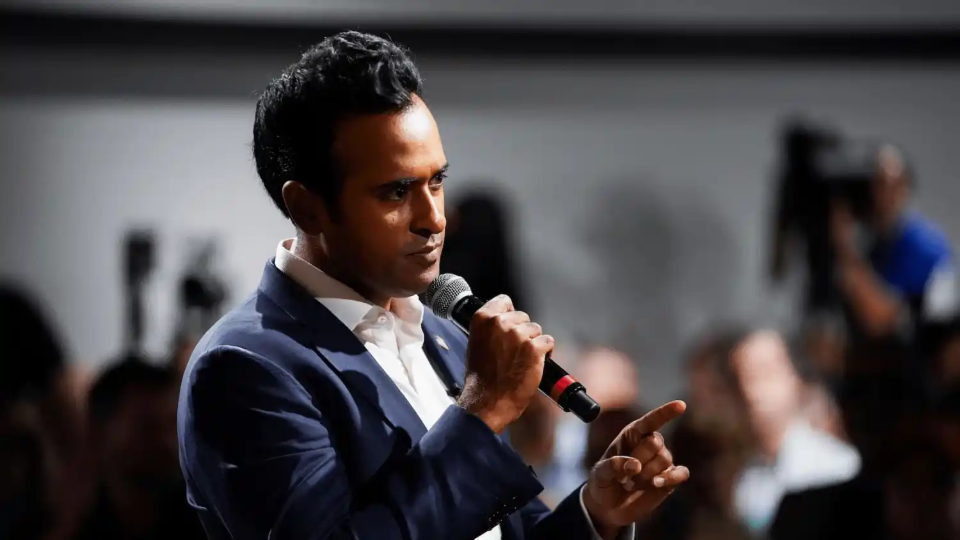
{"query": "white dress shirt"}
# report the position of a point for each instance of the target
(807, 459)
(395, 340)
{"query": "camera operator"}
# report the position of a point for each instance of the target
(907, 276)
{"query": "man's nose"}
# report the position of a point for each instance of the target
(428, 218)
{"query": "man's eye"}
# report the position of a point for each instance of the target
(437, 181)
(397, 193)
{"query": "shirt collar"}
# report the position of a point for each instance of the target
(346, 304)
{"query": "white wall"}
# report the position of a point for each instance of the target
(567, 12)
(642, 190)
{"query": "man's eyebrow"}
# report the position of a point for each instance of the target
(410, 179)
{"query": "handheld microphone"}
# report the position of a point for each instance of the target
(449, 297)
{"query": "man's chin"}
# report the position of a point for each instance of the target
(416, 283)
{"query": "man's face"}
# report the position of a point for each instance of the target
(386, 237)
(768, 382)
(891, 190)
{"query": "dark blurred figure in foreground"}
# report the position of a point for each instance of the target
(133, 430)
(41, 438)
(478, 247)
(904, 482)
(945, 428)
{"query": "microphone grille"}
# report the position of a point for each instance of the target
(443, 294)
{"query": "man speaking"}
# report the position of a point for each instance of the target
(323, 407)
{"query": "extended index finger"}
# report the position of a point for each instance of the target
(634, 434)
(657, 418)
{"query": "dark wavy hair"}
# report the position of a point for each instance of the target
(346, 75)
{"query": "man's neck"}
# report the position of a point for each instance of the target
(313, 251)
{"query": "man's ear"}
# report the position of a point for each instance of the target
(304, 206)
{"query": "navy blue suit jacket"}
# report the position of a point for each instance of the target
(289, 429)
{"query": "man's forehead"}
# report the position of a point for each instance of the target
(391, 144)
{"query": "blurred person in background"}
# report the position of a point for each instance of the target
(713, 435)
(612, 380)
(790, 455)
(27, 472)
(133, 430)
(478, 247)
(907, 277)
(35, 376)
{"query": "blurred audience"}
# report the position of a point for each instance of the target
(39, 396)
(790, 454)
(900, 471)
(558, 445)
(711, 438)
(140, 494)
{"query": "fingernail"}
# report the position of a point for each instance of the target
(632, 468)
(628, 485)
(658, 481)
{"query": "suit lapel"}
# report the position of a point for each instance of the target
(440, 345)
(337, 345)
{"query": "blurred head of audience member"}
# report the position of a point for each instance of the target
(769, 387)
(478, 247)
(712, 403)
(610, 377)
(27, 480)
(133, 423)
(891, 189)
(34, 377)
(34, 365)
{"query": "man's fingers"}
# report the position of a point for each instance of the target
(496, 305)
(663, 461)
(657, 418)
(672, 477)
(538, 347)
(616, 470)
(648, 447)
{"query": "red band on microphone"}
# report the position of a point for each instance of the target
(560, 386)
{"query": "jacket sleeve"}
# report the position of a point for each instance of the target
(255, 445)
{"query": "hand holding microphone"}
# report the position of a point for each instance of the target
(507, 357)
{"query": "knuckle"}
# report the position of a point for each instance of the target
(658, 441)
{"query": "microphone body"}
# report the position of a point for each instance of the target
(569, 394)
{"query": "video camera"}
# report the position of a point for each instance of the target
(819, 167)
